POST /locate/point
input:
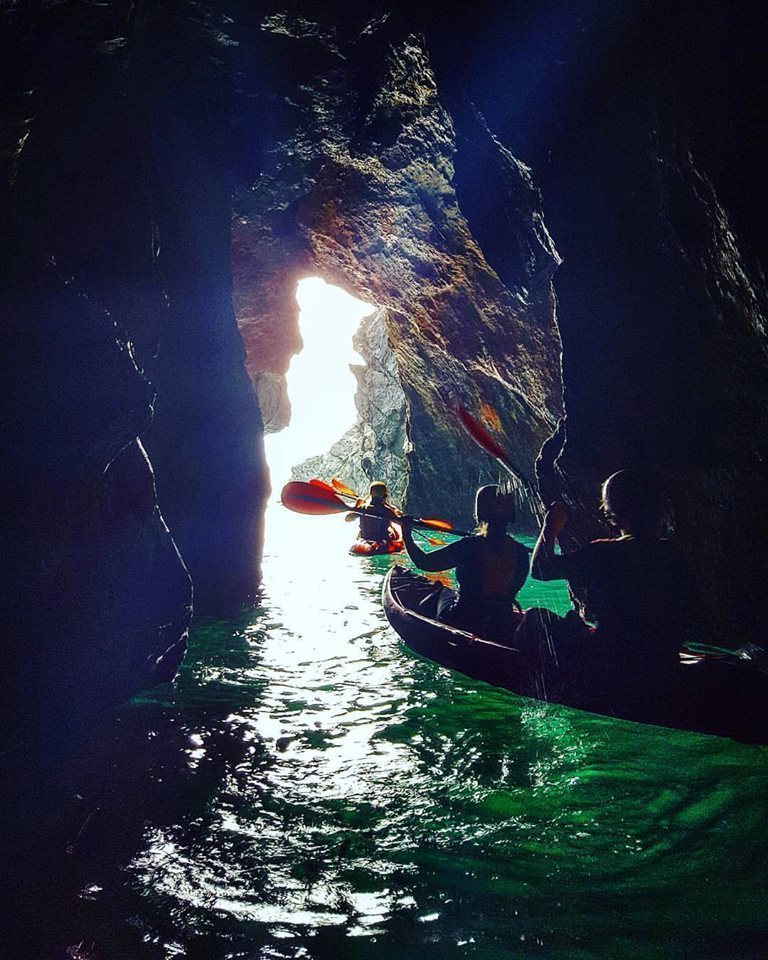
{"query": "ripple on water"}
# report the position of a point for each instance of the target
(353, 801)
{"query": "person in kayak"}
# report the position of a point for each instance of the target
(491, 567)
(376, 522)
(636, 589)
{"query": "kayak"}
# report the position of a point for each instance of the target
(370, 548)
(720, 695)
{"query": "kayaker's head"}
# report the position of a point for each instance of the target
(633, 502)
(494, 505)
(378, 491)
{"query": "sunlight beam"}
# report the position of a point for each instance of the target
(321, 387)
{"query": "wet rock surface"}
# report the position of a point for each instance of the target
(96, 600)
(117, 325)
(399, 153)
(375, 447)
(365, 189)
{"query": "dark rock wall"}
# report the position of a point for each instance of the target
(642, 122)
(95, 598)
(363, 188)
(118, 325)
(125, 181)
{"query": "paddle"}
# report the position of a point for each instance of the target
(491, 446)
(345, 491)
(326, 486)
(314, 499)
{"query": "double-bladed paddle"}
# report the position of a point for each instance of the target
(345, 491)
(484, 440)
(319, 499)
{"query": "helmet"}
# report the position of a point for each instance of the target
(633, 501)
(379, 489)
(492, 503)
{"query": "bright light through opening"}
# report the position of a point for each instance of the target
(321, 387)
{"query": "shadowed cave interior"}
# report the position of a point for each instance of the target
(557, 211)
(155, 240)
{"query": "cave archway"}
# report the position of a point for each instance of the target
(385, 220)
(319, 385)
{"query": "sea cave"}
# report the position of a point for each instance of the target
(549, 216)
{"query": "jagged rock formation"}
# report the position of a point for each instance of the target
(95, 598)
(135, 208)
(363, 189)
(661, 314)
(368, 146)
(375, 447)
(663, 317)
(681, 386)
(115, 256)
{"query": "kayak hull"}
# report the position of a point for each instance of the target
(723, 697)
(372, 548)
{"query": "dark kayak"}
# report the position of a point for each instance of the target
(725, 696)
(370, 548)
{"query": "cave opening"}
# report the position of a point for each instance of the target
(320, 385)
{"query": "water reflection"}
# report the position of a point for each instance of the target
(308, 788)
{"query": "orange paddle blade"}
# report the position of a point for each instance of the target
(436, 524)
(343, 489)
(311, 498)
(480, 435)
(322, 484)
(483, 439)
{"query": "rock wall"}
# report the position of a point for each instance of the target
(638, 137)
(375, 447)
(678, 380)
(95, 598)
(391, 182)
(131, 197)
(362, 191)
(119, 341)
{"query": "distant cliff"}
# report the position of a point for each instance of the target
(375, 447)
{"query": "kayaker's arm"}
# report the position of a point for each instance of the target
(359, 504)
(545, 563)
(443, 559)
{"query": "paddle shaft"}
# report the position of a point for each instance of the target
(417, 522)
(317, 500)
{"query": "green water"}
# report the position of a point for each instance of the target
(309, 789)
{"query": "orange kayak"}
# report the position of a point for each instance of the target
(370, 548)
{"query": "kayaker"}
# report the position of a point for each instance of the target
(491, 567)
(636, 589)
(378, 517)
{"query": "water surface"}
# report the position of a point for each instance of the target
(310, 789)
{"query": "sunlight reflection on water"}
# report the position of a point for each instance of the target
(373, 798)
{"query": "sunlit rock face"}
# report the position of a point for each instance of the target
(375, 447)
(363, 189)
(383, 176)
